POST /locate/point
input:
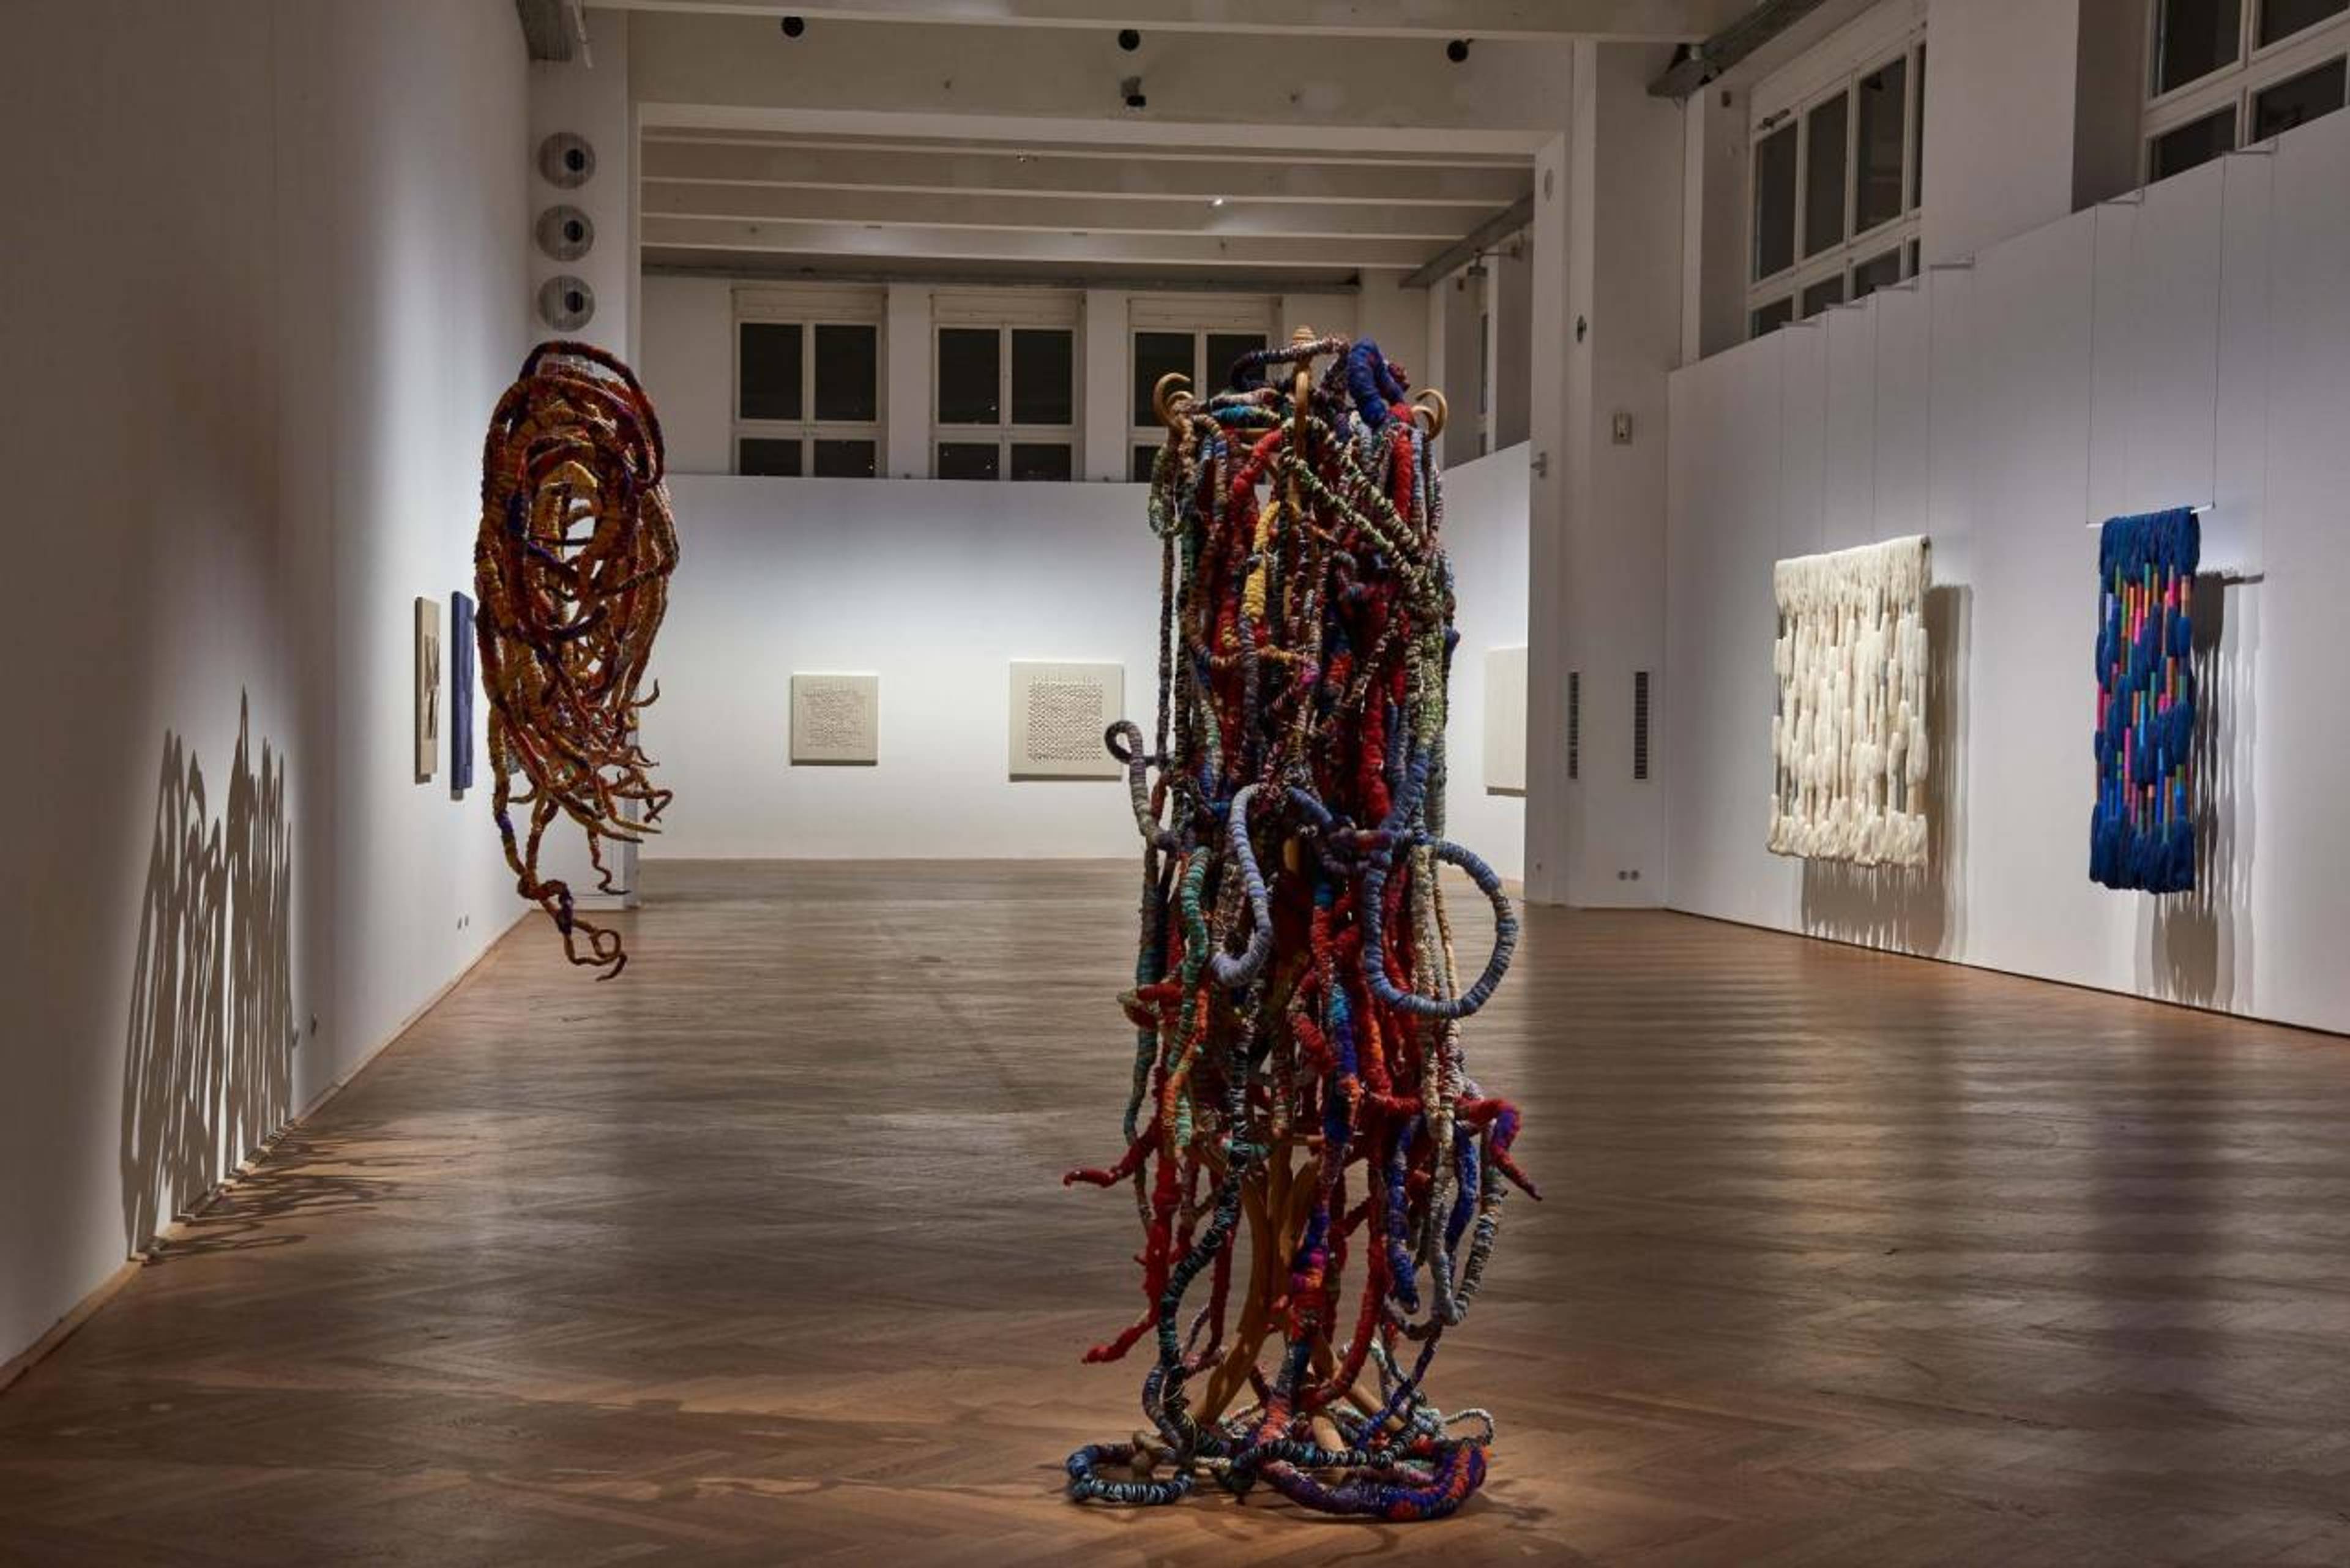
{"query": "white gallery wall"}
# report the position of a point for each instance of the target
(265, 277)
(2187, 347)
(936, 586)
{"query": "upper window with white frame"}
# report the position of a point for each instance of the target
(807, 382)
(1004, 398)
(1836, 193)
(2224, 74)
(1198, 335)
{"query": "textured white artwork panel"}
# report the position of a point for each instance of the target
(1849, 737)
(1505, 721)
(428, 689)
(1058, 712)
(836, 720)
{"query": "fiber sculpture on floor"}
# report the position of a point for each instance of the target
(2142, 831)
(1299, 1101)
(571, 567)
(1850, 734)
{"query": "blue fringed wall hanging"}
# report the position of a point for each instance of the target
(2142, 834)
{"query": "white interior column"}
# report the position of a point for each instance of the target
(906, 382)
(1606, 289)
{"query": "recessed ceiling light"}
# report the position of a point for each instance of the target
(1217, 203)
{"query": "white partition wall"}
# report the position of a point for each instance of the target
(937, 586)
(2187, 348)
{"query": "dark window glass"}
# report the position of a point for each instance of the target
(1917, 154)
(1223, 348)
(844, 460)
(2193, 38)
(768, 455)
(1874, 272)
(1145, 458)
(967, 459)
(1823, 176)
(847, 374)
(1774, 202)
(1040, 460)
(1156, 354)
(1770, 318)
(1913, 259)
(970, 366)
(2297, 100)
(1820, 296)
(1877, 188)
(770, 370)
(2198, 142)
(2283, 18)
(1044, 377)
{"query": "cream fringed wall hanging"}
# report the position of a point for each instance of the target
(1849, 737)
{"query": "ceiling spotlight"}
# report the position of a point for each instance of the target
(1457, 50)
(794, 26)
(1131, 90)
(1128, 39)
(1216, 201)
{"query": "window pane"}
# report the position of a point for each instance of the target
(1044, 378)
(1770, 318)
(1820, 296)
(2283, 18)
(1877, 185)
(1145, 458)
(2297, 100)
(844, 460)
(1918, 155)
(1155, 354)
(970, 362)
(1774, 202)
(770, 370)
(2198, 141)
(847, 374)
(1913, 258)
(1040, 460)
(768, 455)
(1824, 139)
(2193, 38)
(1874, 272)
(1223, 348)
(967, 460)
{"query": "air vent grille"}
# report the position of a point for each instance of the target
(1639, 724)
(1575, 723)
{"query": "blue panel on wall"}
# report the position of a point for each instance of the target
(461, 693)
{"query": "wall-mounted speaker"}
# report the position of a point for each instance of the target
(566, 302)
(565, 233)
(567, 160)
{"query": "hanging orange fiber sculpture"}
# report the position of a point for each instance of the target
(572, 569)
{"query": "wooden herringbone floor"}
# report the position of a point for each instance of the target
(758, 1254)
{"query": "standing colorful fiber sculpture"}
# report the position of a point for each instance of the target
(1300, 1104)
(2142, 831)
(571, 567)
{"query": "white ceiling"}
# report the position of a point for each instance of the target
(1293, 141)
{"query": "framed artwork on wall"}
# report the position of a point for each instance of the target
(461, 693)
(836, 721)
(1058, 713)
(1505, 721)
(428, 690)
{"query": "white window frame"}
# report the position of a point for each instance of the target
(2236, 85)
(809, 307)
(1896, 31)
(1201, 315)
(1007, 310)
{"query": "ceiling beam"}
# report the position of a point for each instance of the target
(1724, 48)
(1010, 170)
(1628, 21)
(1469, 246)
(1352, 96)
(1260, 253)
(1051, 213)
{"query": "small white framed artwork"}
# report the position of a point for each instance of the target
(1505, 721)
(428, 689)
(836, 721)
(1058, 714)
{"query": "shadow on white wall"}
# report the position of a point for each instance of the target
(2200, 948)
